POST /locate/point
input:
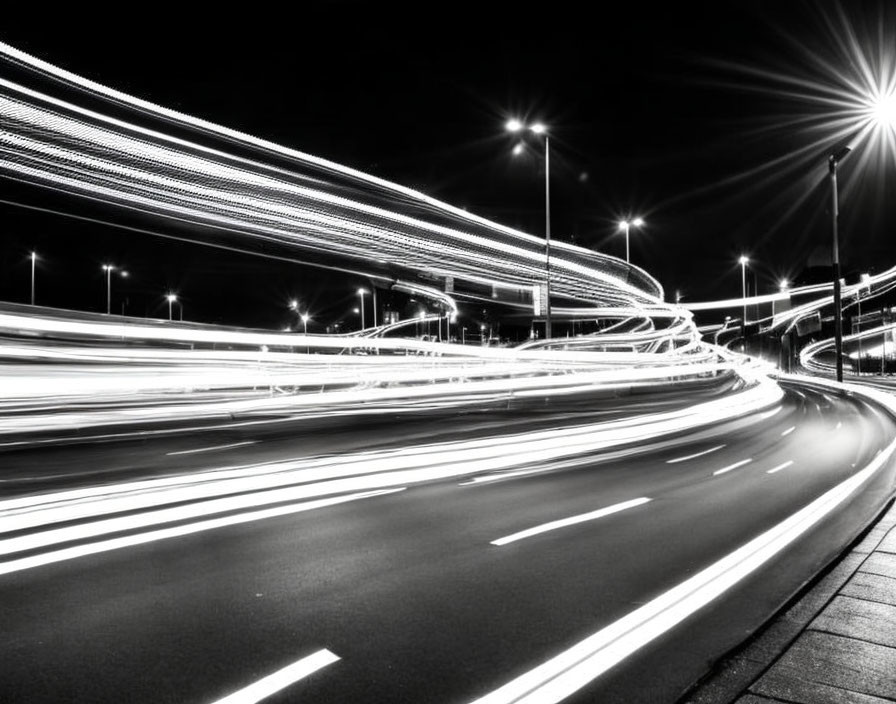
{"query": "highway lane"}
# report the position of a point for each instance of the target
(55, 463)
(410, 593)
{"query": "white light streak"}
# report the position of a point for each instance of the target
(72, 553)
(213, 448)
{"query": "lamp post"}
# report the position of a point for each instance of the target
(833, 160)
(626, 226)
(172, 297)
(33, 261)
(361, 292)
(540, 129)
(743, 288)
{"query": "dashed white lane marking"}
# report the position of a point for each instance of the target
(697, 454)
(211, 449)
(562, 675)
(282, 678)
(785, 465)
(572, 520)
(788, 431)
(732, 466)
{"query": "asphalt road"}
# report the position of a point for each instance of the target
(403, 596)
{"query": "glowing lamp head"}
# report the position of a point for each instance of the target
(783, 284)
(514, 125)
(883, 111)
(743, 261)
(518, 149)
(637, 222)
(539, 128)
(172, 297)
(293, 304)
(34, 256)
(305, 317)
(623, 224)
(362, 291)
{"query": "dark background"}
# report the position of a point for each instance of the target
(655, 109)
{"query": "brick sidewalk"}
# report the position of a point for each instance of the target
(835, 645)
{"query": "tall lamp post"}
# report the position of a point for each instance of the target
(540, 129)
(361, 292)
(743, 288)
(109, 268)
(833, 160)
(626, 225)
(33, 262)
(172, 297)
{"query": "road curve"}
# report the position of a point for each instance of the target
(461, 588)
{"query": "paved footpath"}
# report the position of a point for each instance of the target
(836, 644)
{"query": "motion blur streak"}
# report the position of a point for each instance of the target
(572, 669)
(71, 553)
(370, 470)
(281, 679)
(571, 521)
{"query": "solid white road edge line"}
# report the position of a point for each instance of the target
(574, 668)
(572, 520)
(282, 678)
(71, 553)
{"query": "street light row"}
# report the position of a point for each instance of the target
(108, 269)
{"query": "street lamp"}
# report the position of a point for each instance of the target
(172, 297)
(743, 287)
(626, 225)
(538, 128)
(33, 261)
(833, 160)
(304, 317)
(361, 292)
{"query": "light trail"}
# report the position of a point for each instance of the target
(572, 520)
(212, 449)
(71, 553)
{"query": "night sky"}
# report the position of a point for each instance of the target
(654, 109)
